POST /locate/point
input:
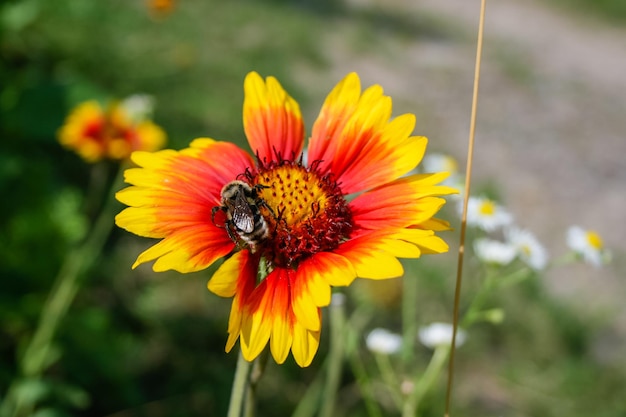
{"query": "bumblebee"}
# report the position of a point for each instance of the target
(242, 205)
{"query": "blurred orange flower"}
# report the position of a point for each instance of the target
(97, 133)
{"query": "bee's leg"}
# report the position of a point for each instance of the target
(258, 187)
(259, 201)
(232, 235)
(215, 210)
(262, 203)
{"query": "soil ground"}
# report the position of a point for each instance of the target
(551, 120)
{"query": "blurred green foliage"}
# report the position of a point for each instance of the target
(137, 343)
(610, 10)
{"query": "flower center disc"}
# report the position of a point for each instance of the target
(306, 213)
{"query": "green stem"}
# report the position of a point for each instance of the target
(365, 386)
(240, 387)
(568, 258)
(335, 356)
(309, 402)
(409, 319)
(426, 380)
(389, 377)
(258, 368)
(67, 282)
(491, 282)
(246, 377)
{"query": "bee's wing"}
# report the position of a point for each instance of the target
(243, 217)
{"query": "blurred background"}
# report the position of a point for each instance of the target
(550, 146)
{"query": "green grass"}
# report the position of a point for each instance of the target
(613, 11)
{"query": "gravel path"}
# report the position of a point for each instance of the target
(551, 123)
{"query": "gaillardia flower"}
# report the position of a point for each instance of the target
(97, 133)
(289, 230)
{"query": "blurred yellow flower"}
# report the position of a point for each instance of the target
(160, 7)
(96, 133)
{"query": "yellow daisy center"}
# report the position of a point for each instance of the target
(487, 208)
(449, 164)
(594, 240)
(305, 211)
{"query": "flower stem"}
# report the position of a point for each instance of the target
(335, 355)
(365, 385)
(425, 381)
(246, 376)
(566, 259)
(240, 388)
(409, 315)
(389, 377)
(37, 355)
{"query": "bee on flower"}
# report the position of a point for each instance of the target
(286, 228)
(588, 245)
(95, 132)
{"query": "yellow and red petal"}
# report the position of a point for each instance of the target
(402, 203)
(236, 276)
(306, 342)
(80, 131)
(150, 137)
(271, 119)
(284, 310)
(354, 139)
(171, 198)
(267, 305)
(370, 257)
(425, 240)
(333, 269)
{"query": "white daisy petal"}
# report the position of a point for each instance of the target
(440, 334)
(438, 162)
(494, 252)
(138, 107)
(486, 214)
(383, 341)
(528, 247)
(589, 245)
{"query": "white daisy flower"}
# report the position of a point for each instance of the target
(528, 248)
(494, 252)
(440, 334)
(438, 162)
(589, 245)
(383, 341)
(486, 214)
(139, 107)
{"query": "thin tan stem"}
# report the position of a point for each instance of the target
(468, 177)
